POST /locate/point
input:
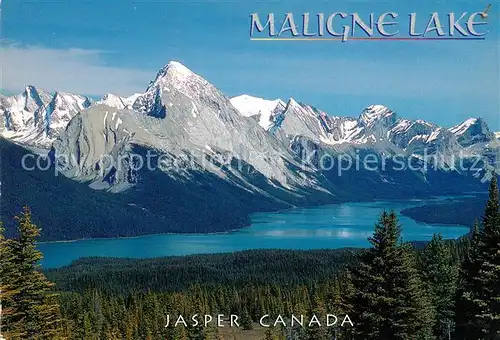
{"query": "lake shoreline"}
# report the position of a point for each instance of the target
(334, 226)
(228, 231)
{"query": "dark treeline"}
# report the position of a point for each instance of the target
(462, 211)
(254, 267)
(444, 290)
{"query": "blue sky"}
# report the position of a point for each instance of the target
(93, 47)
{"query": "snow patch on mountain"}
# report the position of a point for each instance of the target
(403, 126)
(112, 100)
(434, 135)
(174, 76)
(36, 117)
(461, 128)
(374, 113)
(181, 111)
(264, 109)
(129, 101)
(118, 102)
(179, 115)
(472, 131)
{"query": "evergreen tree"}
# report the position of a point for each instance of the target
(316, 332)
(246, 320)
(346, 306)
(440, 275)
(465, 308)
(388, 297)
(35, 311)
(479, 300)
(180, 333)
(7, 290)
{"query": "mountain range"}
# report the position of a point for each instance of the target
(221, 158)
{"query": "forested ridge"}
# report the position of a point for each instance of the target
(392, 290)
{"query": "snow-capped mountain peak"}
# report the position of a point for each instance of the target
(174, 74)
(36, 117)
(173, 77)
(30, 96)
(192, 106)
(374, 113)
(112, 100)
(129, 101)
(462, 127)
(214, 160)
(178, 68)
(263, 109)
(471, 131)
(251, 106)
(402, 126)
(204, 140)
(75, 101)
(31, 99)
(292, 103)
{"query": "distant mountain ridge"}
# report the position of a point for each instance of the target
(377, 127)
(339, 130)
(235, 155)
(36, 117)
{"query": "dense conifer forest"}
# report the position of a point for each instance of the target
(456, 211)
(392, 290)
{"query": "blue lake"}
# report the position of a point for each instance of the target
(329, 226)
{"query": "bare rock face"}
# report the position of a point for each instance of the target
(193, 126)
(472, 131)
(271, 149)
(182, 156)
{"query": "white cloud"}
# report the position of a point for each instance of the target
(68, 70)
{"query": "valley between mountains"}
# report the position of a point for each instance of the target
(223, 158)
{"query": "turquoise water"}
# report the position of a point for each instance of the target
(330, 226)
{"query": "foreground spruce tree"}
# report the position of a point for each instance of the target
(388, 298)
(440, 275)
(478, 306)
(465, 307)
(6, 287)
(33, 309)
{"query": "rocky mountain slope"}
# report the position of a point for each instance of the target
(35, 117)
(193, 127)
(189, 158)
(382, 131)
